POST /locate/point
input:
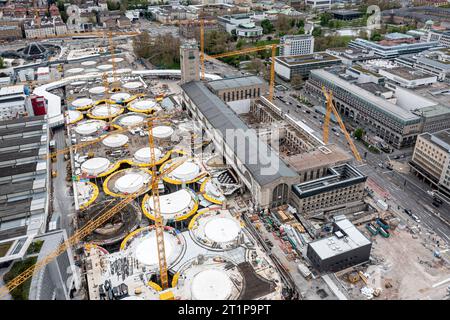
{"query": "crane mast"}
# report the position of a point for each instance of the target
(326, 123)
(159, 227)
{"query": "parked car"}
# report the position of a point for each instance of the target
(416, 218)
(408, 212)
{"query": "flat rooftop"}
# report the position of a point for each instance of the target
(321, 157)
(256, 155)
(307, 58)
(337, 177)
(377, 102)
(232, 83)
(408, 73)
(441, 139)
(334, 245)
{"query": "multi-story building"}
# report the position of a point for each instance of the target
(349, 56)
(296, 45)
(392, 51)
(340, 187)
(189, 62)
(238, 92)
(407, 77)
(10, 33)
(431, 160)
(14, 102)
(24, 176)
(38, 29)
(319, 4)
(240, 24)
(259, 168)
(442, 37)
(289, 66)
(397, 116)
(435, 62)
(346, 247)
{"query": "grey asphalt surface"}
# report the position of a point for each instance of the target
(62, 198)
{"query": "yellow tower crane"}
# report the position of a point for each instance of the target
(272, 47)
(326, 123)
(104, 216)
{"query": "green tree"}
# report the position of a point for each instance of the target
(2, 63)
(113, 5)
(325, 19)
(300, 23)
(359, 133)
(317, 32)
(375, 37)
(62, 10)
(267, 26)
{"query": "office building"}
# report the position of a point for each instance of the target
(347, 247)
(393, 113)
(288, 67)
(431, 160)
(388, 51)
(296, 45)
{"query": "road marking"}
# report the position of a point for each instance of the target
(443, 233)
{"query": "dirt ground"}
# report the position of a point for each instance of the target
(406, 261)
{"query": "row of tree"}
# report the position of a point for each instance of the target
(163, 51)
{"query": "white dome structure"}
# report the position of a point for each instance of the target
(127, 181)
(145, 105)
(178, 205)
(115, 60)
(188, 172)
(211, 284)
(104, 111)
(216, 229)
(104, 67)
(143, 155)
(89, 127)
(120, 96)
(142, 243)
(95, 166)
(130, 119)
(97, 90)
(82, 103)
(162, 132)
(75, 70)
(132, 85)
(73, 116)
(115, 140)
(89, 63)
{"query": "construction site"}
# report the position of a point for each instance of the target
(170, 204)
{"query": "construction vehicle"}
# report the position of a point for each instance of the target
(382, 223)
(376, 292)
(384, 233)
(326, 124)
(371, 229)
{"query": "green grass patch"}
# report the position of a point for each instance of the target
(35, 247)
(22, 291)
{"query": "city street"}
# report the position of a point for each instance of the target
(411, 194)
